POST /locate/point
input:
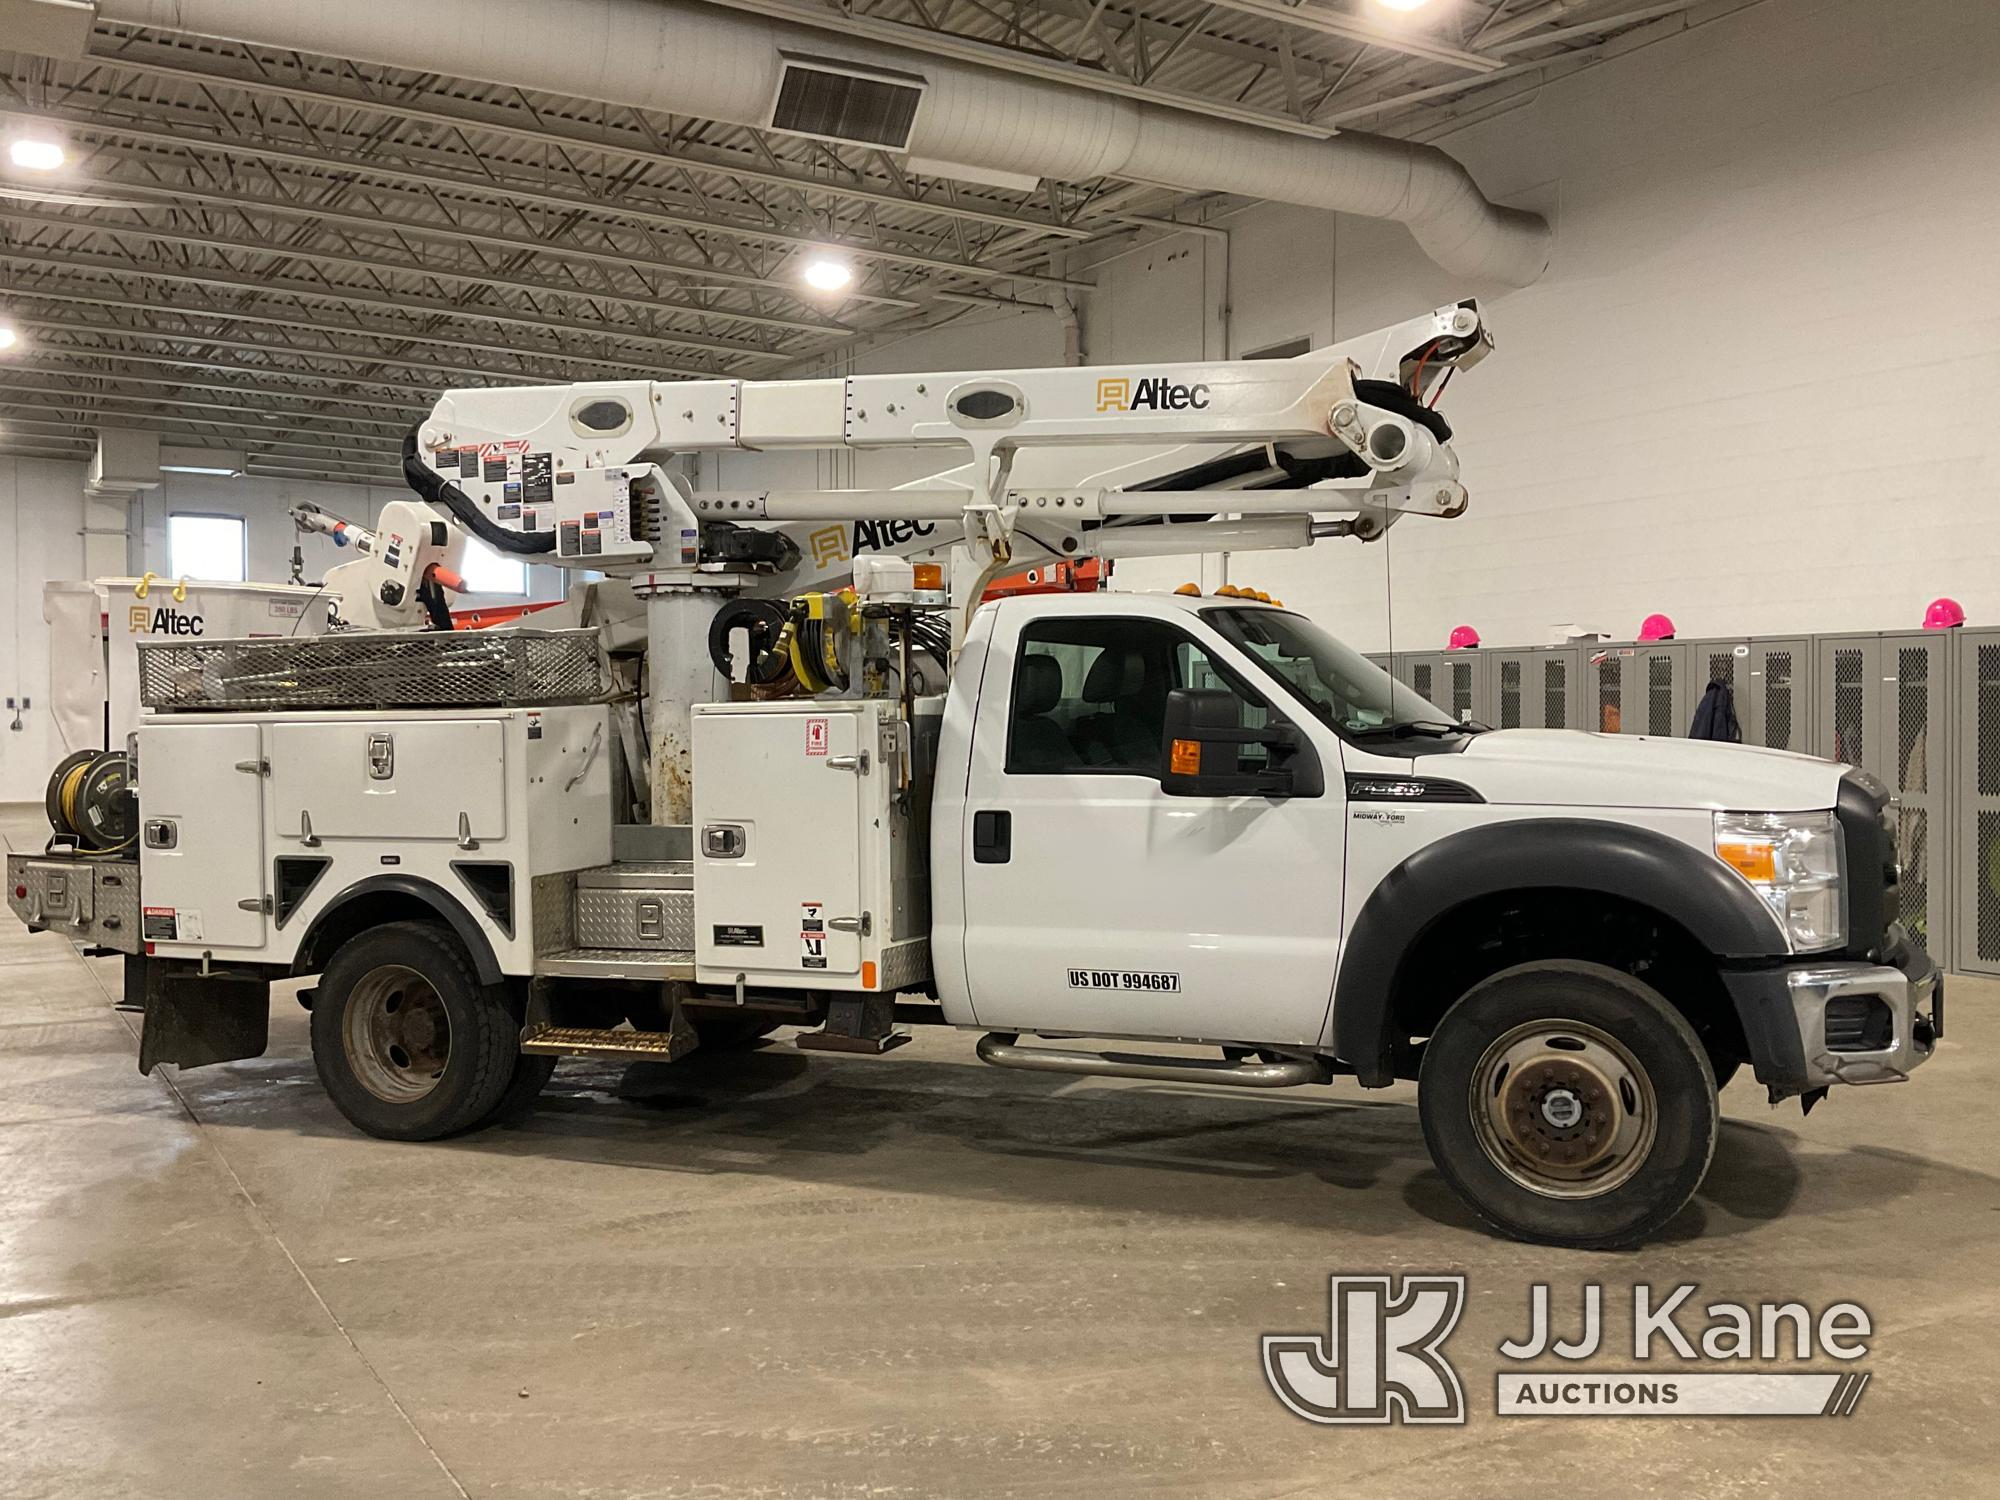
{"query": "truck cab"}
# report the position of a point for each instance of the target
(1205, 819)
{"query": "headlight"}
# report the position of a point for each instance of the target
(1792, 860)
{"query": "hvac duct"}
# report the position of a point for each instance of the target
(687, 58)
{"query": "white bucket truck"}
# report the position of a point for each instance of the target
(1120, 817)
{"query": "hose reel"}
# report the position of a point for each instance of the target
(91, 800)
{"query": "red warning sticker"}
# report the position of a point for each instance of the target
(819, 734)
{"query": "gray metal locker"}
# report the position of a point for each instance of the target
(1976, 807)
(1640, 689)
(1881, 705)
(1769, 679)
(1776, 708)
(1664, 706)
(1456, 681)
(1611, 668)
(1537, 687)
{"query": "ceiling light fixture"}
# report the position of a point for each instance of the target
(10, 337)
(1403, 5)
(36, 154)
(824, 275)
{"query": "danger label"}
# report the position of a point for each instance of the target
(819, 735)
(812, 931)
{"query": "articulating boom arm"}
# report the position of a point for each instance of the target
(1061, 462)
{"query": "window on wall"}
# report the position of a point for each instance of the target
(1287, 349)
(214, 549)
(489, 571)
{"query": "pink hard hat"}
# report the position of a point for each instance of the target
(1462, 636)
(1943, 614)
(1656, 628)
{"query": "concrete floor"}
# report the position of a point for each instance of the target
(913, 1276)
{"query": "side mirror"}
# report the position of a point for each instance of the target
(1204, 733)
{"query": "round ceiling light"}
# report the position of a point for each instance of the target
(825, 275)
(33, 153)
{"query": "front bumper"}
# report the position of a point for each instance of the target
(1815, 1023)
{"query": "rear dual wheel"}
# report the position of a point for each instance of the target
(1569, 1104)
(411, 1045)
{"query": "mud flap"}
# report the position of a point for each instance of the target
(195, 1019)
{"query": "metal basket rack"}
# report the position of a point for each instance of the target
(431, 669)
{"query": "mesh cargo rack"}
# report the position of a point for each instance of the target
(433, 669)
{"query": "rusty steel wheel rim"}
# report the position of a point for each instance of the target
(1564, 1109)
(397, 1034)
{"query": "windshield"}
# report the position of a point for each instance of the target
(1347, 692)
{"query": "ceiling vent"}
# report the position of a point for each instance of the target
(838, 101)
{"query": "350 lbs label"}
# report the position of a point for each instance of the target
(1123, 979)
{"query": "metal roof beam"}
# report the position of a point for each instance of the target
(186, 275)
(386, 336)
(148, 400)
(431, 179)
(179, 195)
(213, 387)
(295, 351)
(373, 263)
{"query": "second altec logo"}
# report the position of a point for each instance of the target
(1153, 393)
(145, 620)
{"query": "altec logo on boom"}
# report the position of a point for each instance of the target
(1153, 393)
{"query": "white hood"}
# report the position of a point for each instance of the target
(1561, 767)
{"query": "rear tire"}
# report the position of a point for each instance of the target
(532, 1072)
(1568, 1104)
(408, 1043)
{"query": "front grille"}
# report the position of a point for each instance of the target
(1859, 1023)
(1869, 857)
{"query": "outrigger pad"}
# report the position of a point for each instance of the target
(194, 1019)
(856, 1023)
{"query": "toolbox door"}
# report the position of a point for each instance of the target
(778, 828)
(201, 839)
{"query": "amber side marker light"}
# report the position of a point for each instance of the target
(1186, 758)
(1755, 862)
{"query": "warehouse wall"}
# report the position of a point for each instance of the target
(41, 516)
(1756, 389)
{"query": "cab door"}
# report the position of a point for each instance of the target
(1098, 904)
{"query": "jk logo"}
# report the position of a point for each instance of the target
(1382, 1360)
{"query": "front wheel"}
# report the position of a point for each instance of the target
(1568, 1104)
(407, 1041)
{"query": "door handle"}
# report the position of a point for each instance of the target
(992, 837)
(855, 763)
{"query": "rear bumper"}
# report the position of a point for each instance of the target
(1815, 1023)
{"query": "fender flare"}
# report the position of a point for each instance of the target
(478, 947)
(1715, 906)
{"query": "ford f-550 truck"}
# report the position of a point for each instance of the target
(1127, 819)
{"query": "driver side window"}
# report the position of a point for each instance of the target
(1090, 696)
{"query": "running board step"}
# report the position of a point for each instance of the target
(587, 1041)
(1003, 1051)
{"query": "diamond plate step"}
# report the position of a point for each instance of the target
(587, 1041)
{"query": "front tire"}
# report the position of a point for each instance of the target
(1568, 1104)
(408, 1043)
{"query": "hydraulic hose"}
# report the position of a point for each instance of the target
(438, 490)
